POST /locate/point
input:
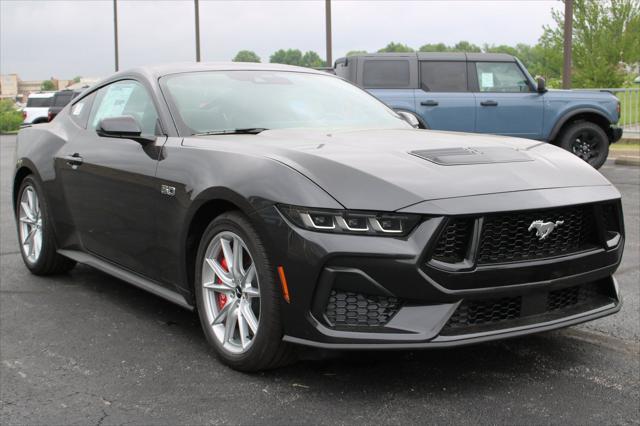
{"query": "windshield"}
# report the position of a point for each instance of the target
(39, 102)
(215, 101)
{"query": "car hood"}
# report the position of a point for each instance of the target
(391, 169)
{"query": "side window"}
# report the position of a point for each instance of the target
(127, 97)
(443, 76)
(388, 74)
(79, 111)
(501, 77)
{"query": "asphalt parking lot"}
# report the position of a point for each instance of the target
(85, 348)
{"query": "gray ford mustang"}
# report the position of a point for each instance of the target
(288, 207)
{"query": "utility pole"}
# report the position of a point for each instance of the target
(196, 4)
(568, 39)
(115, 31)
(327, 14)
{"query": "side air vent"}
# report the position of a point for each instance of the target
(454, 241)
(346, 308)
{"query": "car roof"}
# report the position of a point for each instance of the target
(175, 68)
(440, 56)
(42, 95)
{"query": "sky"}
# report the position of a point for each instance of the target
(40, 39)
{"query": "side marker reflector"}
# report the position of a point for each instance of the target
(283, 283)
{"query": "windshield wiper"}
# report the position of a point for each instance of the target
(246, 131)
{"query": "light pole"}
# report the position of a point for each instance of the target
(196, 4)
(568, 35)
(327, 14)
(115, 31)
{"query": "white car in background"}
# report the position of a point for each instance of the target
(37, 108)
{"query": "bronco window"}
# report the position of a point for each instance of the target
(388, 74)
(443, 76)
(501, 77)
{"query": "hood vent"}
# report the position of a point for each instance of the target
(472, 155)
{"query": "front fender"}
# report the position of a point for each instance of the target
(556, 118)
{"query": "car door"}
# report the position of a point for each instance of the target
(109, 183)
(506, 101)
(443, 99)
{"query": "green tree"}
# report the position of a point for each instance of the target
(289, 57)
(605, 33)
(47, 85)
(10, 118)
(437, 47)
(77, 79)
(246, 56)
(465, 46)
(356, 52)
(312, 60)
(395, 47)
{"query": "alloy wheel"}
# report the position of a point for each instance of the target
(30, 224)
(585, 145)
(231, 292)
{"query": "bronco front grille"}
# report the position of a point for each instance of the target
(346, 308)
(499, 313)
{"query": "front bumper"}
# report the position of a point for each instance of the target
(615, 134)
(395, 269)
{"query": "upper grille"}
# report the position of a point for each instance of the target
(505, 237)
(354, 309)
(453, 242)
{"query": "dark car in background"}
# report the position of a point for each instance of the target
(60, 100)
(488, 93)
(289, 207)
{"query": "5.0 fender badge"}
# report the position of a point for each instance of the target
(168, 190)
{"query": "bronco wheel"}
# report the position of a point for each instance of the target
(588, 141)
(237, 299)
(35, 234)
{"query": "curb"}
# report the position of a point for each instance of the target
(628, 160)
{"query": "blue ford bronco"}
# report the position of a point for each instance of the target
(487, 93)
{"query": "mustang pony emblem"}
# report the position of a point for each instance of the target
(543, 229)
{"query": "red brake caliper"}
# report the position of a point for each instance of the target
(221, 299)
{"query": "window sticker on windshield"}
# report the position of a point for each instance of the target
(486, 79)
(77, 108)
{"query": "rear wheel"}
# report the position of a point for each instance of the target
(237, 298)
(35, 233)
(588, 141)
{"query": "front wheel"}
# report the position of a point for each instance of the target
(588, 141)
(237, 297)
(35, 231)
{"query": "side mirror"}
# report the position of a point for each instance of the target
(409, 118)
(542, 85)
(123, 127)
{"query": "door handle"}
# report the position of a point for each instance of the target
(430, 102)
(489, 103)
(73, 160)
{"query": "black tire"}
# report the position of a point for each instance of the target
(588, 141)
(49, 262)
(267, 350)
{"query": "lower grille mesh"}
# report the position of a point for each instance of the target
(487, 311)
(499, 313)
(355, 309)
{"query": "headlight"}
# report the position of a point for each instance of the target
(351, 222)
